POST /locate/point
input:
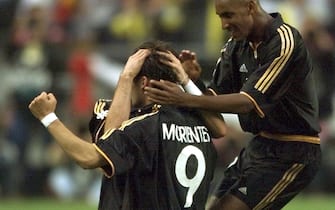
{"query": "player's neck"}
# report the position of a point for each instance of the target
(262, 20)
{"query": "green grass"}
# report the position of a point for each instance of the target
(44, 204)
(312, 202)
(302, 202)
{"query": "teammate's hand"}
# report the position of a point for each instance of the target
(42, 105)
(170, 60)
(135, 62)
(165, 92)
(190, 64)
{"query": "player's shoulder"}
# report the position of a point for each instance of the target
(99, 114)
(144, 115)
(101, 108)
(284, 30)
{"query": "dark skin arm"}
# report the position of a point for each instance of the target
(187, 67)
(165, 92)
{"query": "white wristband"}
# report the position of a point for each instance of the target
(191, 88)
(48, 119)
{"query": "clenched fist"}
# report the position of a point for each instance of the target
(42, 105)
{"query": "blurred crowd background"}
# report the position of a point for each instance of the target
(77, 48)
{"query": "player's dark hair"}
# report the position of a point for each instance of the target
(152, 67)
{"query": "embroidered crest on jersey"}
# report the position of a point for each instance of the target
(100, 111)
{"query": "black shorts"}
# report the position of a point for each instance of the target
(269, 173)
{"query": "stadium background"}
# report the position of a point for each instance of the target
(76, 49)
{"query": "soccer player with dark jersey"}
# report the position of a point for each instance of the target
(265, 75)
(160, 157)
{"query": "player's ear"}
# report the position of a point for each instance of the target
(145, 81)
(252, 6)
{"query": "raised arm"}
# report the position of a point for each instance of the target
(165, 92)
(121, 104)
(43, 107)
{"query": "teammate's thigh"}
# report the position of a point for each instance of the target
(228, 202)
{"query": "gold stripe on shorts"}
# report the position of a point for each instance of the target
(287, 179)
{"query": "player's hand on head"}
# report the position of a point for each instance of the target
(171, 60)
(187, 55)
(190, 64)
(165, 92)
(135, 62)
(42, 105)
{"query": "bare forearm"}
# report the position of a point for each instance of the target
(228, 103)
(120, 107)
(78, 149)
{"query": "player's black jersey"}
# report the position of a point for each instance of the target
(161, 158)
(277, 75)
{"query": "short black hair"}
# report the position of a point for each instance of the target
(152, 67)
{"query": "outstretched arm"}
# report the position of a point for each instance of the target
(78, 149)
(121, 104)
(165, 92)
